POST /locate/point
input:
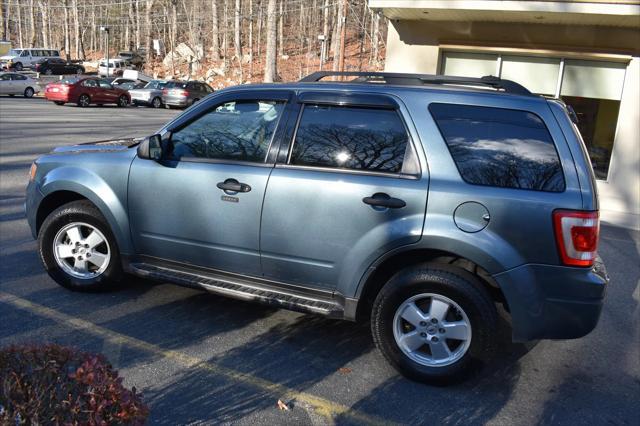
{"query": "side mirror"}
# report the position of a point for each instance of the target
(151, 148)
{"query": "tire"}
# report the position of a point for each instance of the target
(12, 95)
(79, 213)
(58, 102)
(434, 285)
(79, 71)
(29, 92)
(123, 101)
(156, 102)
(18, 66)
(48, 71)
(84, 101)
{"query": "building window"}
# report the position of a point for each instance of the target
(592, 88)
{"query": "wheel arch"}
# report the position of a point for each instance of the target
(82, 185)
(378, 275)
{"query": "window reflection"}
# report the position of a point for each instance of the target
(240, 131)
(500, 147)
(352, 138)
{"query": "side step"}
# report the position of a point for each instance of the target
(240, 289)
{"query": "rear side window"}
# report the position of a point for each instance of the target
(355, 138)
(500, 147)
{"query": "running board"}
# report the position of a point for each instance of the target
(240, 289)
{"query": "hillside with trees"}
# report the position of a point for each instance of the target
(223, 41)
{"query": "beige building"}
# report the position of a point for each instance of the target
(586, 52)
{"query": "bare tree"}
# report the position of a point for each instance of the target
(33, 35)
(237, 41)
(76, 28)
(147, 38)
(215, 37)
(270, 70)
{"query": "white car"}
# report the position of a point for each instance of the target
(19, 59)
(116, 67)
(17, 84)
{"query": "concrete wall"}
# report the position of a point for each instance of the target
(414, 46)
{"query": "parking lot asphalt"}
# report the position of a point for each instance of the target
(200, 358)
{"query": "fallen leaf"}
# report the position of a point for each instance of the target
(344, 370)
(283, 406)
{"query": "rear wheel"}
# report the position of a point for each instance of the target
(78, 248)
(18, 66)
(156, 102)
(433, 322)
(58, 102)
(123, 101)
(28, 92)
(84, 101)
(79, 71)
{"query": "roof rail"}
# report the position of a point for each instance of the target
(507, 86)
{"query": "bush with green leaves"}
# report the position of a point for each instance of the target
(52, 384)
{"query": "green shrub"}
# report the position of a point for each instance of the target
(52, 384)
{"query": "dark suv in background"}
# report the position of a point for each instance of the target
(416, 202)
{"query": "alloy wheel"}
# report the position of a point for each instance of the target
(28, 92)
(81, 250)
(84, 101)
(157, 103)
(432, 330)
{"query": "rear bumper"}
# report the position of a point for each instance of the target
(181, 101)
(554, 302)
(57, 96)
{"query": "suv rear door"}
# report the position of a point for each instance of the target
(201, 204)
(348, 188)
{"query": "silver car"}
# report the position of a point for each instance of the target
(184, 93)
(149, 95)
(18, 84)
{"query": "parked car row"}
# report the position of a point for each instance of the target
(156, 93)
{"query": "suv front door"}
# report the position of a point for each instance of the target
(201, 203)
(348, 189)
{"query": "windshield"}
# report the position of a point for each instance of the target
(156, 84)
(14, 52)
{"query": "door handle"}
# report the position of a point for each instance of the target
(233, 185)
(381, 199)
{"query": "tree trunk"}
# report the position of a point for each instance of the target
(44, 12)
(33, 35)
(3, 22)
(76, 29)
(374, 39)
(259, 28)
(20, 34)
(215, 36)
(67, 42)
(147, 21)
(250, 37)
(325, 33)
(237, 42)
(338, 63)
(280, 29)
(270, 70)
(225, 35)
(137, 18)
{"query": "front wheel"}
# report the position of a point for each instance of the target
(28, 92)
(84, 101)
(48, 71)
(78, 249)
(156, 102)
(123, 101)
(432, 322)
(18, 66)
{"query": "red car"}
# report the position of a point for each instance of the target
(86, 91)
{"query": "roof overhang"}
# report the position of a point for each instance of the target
(621, 13)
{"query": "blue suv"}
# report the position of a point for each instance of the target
(416, 202)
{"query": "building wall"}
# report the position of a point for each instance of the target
(415, 46)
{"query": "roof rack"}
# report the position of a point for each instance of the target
(507, 86)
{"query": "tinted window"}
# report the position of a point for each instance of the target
(5, 77)
(176, 85)
(500, 147)
(240, 131)
(90, 83)
(19, 77)
(105, 85)
(350, 138)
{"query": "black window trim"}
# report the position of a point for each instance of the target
(203, 108)
(339, 100)
(555, 147)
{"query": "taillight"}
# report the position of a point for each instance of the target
(165, 92)
(577, 236)
(183, 92)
